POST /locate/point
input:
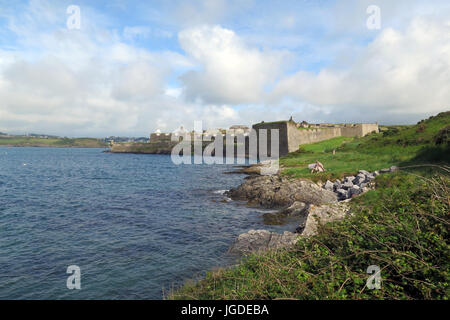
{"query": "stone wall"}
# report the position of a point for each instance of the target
(291, 136)
(283, 128)
(298, 136)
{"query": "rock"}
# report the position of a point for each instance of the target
(347, 185)
(365, 189)
(296, 209)
(337, 185)
(376, 173)
(278, 192)
(364, 172)
(370, 177)
(393, 168)
(323, 214)
(349, 179)
(342, 194)
(360, 178)
(316, 167)
(261, 240)
(328, 185)
(355, 190)
(385, 170)
(363, 185)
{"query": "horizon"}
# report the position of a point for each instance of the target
(162, 132)
(116, 68)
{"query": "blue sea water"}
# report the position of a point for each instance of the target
(136, 225)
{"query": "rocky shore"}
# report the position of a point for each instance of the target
(309, 203)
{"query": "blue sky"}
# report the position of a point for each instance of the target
(134, 67)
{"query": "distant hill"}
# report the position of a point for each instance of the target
(25, 141)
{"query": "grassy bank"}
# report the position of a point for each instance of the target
(19, 141)
(397, 145)
(401, 226)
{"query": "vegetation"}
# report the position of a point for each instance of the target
(23, 141)
(397, 145)
(402, 226)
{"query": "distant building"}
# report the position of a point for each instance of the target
(238, 129)
(303, 124)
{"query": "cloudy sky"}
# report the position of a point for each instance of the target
(133, 66)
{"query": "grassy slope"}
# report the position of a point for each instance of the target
(402, 226)
(17, 141)
(402, 146)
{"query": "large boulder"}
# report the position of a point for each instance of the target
(262, 240)
(278, 192)
(297, 210)
(323, 214)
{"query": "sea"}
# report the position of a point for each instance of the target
(136, 226)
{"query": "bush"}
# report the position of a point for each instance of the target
(443, 136)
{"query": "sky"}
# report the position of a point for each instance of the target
(129, 68)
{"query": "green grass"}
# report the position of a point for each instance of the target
(19, 141)
(399, 145)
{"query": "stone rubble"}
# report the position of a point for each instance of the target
(354, 185)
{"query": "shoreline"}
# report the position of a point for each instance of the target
(45, 146)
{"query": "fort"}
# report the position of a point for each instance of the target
(291, 135)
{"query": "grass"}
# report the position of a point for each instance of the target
(399, 145)
(19, 141)
(402, 226)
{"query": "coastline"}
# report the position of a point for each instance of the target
(50, 146)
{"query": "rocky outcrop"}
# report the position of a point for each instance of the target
(311, 217)
(278, 192)
(261, 240)
(321, 215)
(304, 200)
(298, 210)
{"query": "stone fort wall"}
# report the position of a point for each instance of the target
(291, 137)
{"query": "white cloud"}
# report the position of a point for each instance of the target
(229, 72)
(97, 81)
(398, 73)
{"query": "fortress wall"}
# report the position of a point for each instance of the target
(369, 128)
(290, 136)
(297, 136)
(351, 131)
(359, 130)
(282, 126)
